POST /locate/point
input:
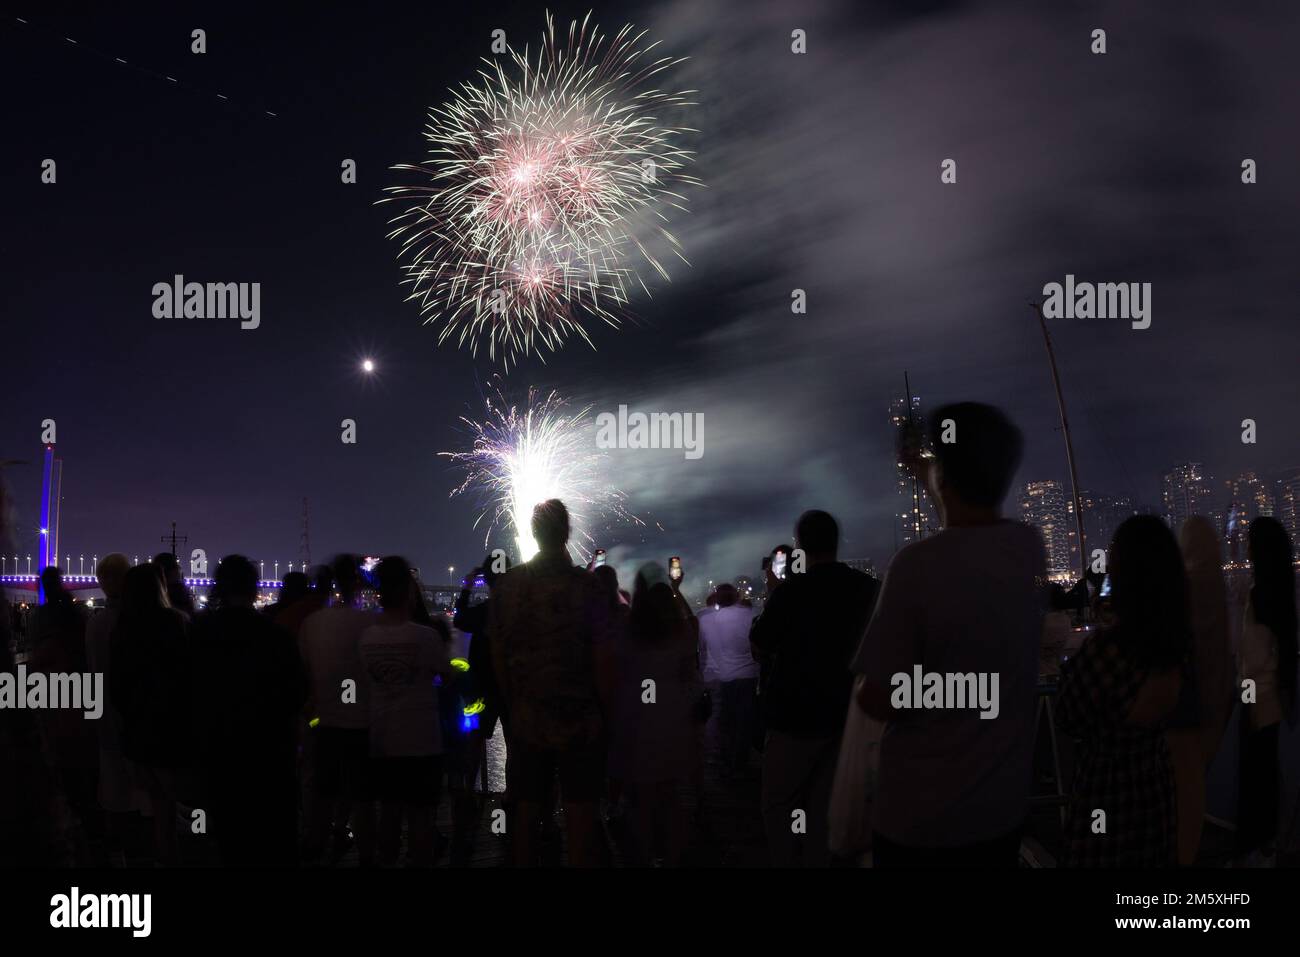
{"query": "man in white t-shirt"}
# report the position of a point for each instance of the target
(402, 659)
(329, 644)
(965, 605)
(729, 661)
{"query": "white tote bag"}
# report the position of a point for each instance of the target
(854, 788)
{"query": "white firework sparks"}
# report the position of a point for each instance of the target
(520, 457)
(541, 179)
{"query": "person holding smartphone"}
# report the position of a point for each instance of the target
(654, 744)
(805, 637)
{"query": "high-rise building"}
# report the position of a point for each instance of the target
(1286, 506)
(1102, 515)
(1042, 505)
(1188, 490)
(1248, 499)
(915, 514)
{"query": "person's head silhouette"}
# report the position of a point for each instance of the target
(397, 592)
(236, 582)
(818, 534)
(1148, 590)
(551, 526)
(976, 450)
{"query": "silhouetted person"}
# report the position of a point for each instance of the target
(729, 661)
(150, 683)
(1116, 695)
(474, 620)
(479, 685)
(58, 627)
(299, 597)
(402, 659)
(653, 749)
(550, 637)
(811, 624)
(177, 594)
(249, 690)
(71, 742)
(1212, 656)
(120, 794)
(293, 587)
(1267, 659)
(455, 758)
(339, 696)
(619, 607)
(1205, 704)
(953, 784)
(27, 794)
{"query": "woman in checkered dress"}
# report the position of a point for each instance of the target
(1115, 696)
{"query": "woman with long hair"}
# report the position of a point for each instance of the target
(1266, 665)
(653, 745)
(1196, 729)
(1115, 696)
(149, 680)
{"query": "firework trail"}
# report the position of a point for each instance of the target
(540, 181)
(519, 457)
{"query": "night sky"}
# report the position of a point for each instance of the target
(822, 173)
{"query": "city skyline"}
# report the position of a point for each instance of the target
(1200, 493)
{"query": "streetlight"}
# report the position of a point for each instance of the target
(29, 564)
(81, 564)
(135, 560)
(367, 366)
(277, 571)
(451, 573)
(261, 569)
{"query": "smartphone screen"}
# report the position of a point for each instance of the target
(778, 564)
(1105, 588)
(675, 568)
(599, 558)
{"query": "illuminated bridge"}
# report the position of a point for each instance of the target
(48, 553)
(83, 582)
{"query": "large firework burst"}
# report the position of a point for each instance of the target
(545, 194)
(520, 457)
